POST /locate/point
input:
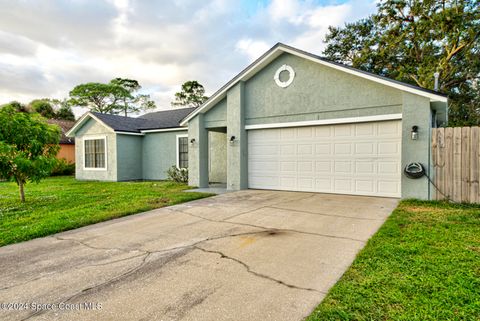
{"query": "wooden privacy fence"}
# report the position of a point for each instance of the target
(456, 163)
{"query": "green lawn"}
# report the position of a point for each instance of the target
(62, 203)
(423, 264)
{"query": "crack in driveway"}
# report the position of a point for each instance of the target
(249, 270)
(85, 290)
(145, 254)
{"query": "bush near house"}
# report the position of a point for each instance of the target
(423, 264)
(63, 168)
(179, 175)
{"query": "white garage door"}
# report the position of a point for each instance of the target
(361, 158)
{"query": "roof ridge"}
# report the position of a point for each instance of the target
(271, 54)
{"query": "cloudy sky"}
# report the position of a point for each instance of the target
(47, 47)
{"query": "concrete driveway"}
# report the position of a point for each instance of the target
(248, 255)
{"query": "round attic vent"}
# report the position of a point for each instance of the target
(291, 75)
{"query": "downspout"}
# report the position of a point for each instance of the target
(431, 173)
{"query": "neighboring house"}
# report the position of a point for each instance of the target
(67, 144)
(289, 121)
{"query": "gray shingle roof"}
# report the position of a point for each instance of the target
(156, 120)
(166, 118)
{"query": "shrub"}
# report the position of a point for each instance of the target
(63, 168)
(179, 175)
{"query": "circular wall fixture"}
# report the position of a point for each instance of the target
(291, 75)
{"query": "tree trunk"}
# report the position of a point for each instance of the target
(21, 190)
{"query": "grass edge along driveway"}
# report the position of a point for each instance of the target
(423, 264)
(62, 203)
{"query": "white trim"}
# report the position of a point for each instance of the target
(246, 74)
(332, 121)
(129, 133)
(218, 96)
(432, 96)
(291, 76)
(82, 120)
(163, 130)
(94, 137)
(178, 147)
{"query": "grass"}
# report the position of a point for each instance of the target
(423, 264)
(62, 203)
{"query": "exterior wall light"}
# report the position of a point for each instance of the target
(232, 139)
(192, 141)
(414, 132)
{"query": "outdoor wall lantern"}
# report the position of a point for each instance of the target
(414, 132)
(192, 141)
(232, 139)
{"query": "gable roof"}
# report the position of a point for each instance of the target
(121, 123)
(281, 48)
(167, 119)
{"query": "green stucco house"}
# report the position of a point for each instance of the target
(289, 121)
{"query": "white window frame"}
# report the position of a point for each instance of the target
(104, 138)
(178, 147)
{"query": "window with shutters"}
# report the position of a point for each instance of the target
(94, 153)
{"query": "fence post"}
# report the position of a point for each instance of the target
(457, 164)
(474, 164)
(448, 163)
(465, 164)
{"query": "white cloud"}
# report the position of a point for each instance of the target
(252, 48)
(286, 10)
(46, 48)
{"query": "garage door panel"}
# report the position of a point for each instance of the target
(289, 183)
(264, 166)
(305, 166)
(365, 186)
(287, 133)
(388, 148)
(323, 131)
(324, 184)
(305, 149)
(364, 129)
(392, 128)
(343, 167)
(388, 167)
(323, 167)
(288, 166)
(343, 186)
(290, 149)
(361, 159)
(265, 149)
(388, 187)
(365, 148)
(304, 132)
(269, 182)
(323, 149)
(365, 167)
(342, 148)
(342, 130)
(305, 183)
